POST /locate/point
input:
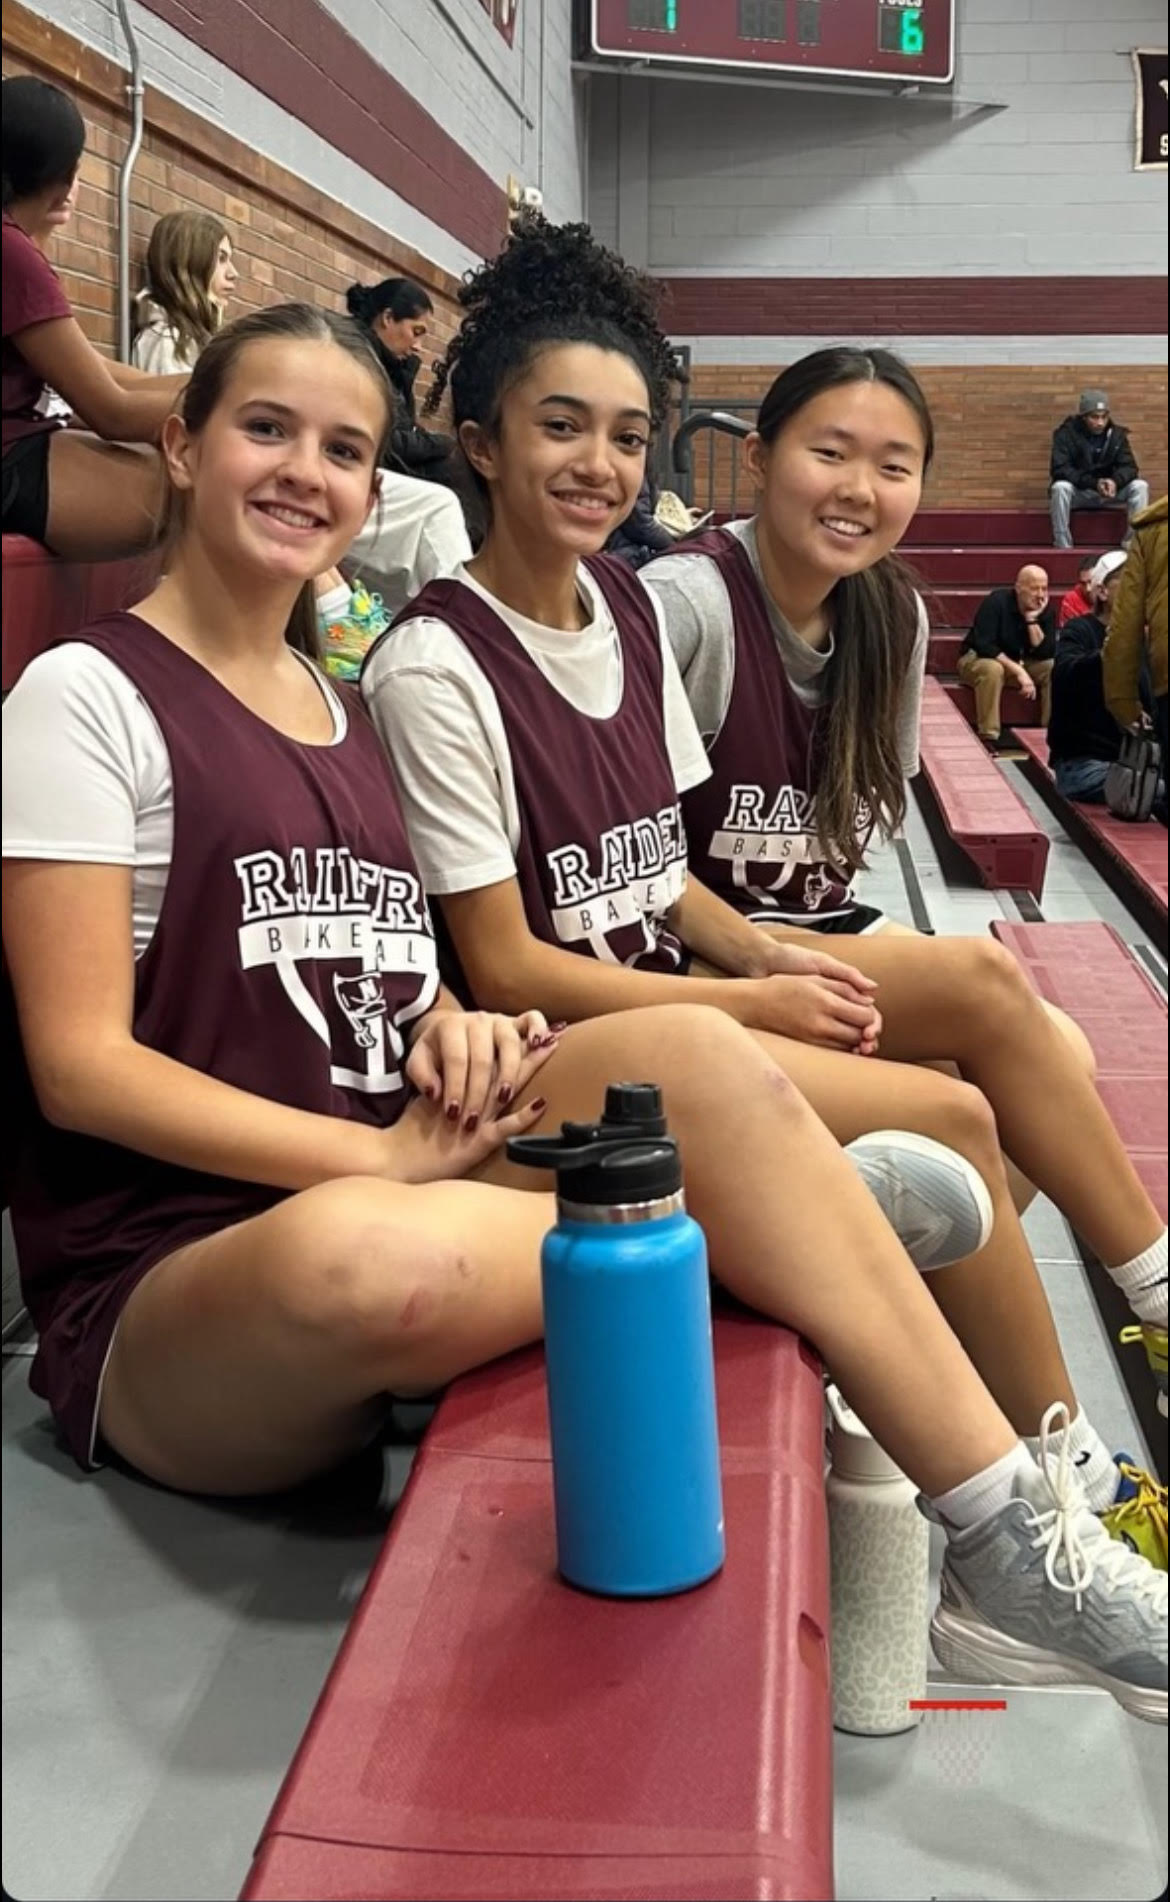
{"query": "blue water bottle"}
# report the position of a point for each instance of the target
(631, 1376)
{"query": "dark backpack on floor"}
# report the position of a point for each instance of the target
(1131, 784)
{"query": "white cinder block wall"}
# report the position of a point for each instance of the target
(742, 181)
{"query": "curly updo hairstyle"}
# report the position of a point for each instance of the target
(551, 284)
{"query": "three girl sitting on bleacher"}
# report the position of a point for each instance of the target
(261, 1183)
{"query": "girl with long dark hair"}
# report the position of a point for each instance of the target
(802, 643)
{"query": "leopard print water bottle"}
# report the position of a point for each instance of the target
(879, 1547)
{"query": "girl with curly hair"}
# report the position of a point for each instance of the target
(541, 740)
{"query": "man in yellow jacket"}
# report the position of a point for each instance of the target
(1140, 610)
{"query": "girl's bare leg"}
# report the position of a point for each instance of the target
(967, 999)
(1023, 1192)
(995, 1301)
(263, 1354)
(106, 500)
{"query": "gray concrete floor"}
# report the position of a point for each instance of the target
(162, 1655)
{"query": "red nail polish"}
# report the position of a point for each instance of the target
(453, 1110)
(537, 1104)
(471, 1125)
(505, 1093)
(557, 1028)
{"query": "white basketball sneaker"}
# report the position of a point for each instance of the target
(935, 1201)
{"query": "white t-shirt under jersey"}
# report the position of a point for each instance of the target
(440, 720)
(696, 608)
(87, 773)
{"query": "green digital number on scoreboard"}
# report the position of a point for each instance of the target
(900, 29)
(654, 16)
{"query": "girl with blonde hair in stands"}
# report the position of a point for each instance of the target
(261, 1183)
(190, 275)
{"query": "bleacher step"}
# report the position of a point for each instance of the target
(991, 566)
(1004, 528)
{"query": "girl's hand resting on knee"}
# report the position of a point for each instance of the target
(471, 1064)
(815, 1009)
(468, 1067)
(781, 959)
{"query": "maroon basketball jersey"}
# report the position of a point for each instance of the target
(292, 948)
(751, 827)
(602, 856)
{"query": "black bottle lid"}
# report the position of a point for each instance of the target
(626, 1158)
(636, 1107)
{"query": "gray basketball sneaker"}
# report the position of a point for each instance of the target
(1040, 1594)
(935, 1201)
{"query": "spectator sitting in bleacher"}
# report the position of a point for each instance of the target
(1091, 466)
(641, 536)
(1012, 640)
(394, 314)
(1083, 737)
(190, 275)
(1140, 606)
(1078, 600)
(86, 497)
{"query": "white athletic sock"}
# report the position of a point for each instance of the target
(1143, 1282)
(1091, 1457)
(984, 1493)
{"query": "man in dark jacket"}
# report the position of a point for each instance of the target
(1092, 465)
(1083, 737)
(1011, 642)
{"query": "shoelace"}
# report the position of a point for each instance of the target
(1148, 1499)
(1129, 1335)
(1069, 1532)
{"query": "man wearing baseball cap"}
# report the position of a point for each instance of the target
(1083, 737)
(1092, 465)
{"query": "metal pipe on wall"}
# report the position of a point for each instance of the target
(125, 174)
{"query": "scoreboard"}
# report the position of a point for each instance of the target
(857, 39)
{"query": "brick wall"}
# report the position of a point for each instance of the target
(994, 424)
(291, 241)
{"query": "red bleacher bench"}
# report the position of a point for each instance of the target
(975, 802)
(1015, 711)
(1137, 851)
(487, 1731)
(1088, 971)
(45, 598)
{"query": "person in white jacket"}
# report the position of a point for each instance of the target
(190, 275)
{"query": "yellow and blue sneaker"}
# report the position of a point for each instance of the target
(1153, 1338)
(348, 636)
(1137, 1516)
